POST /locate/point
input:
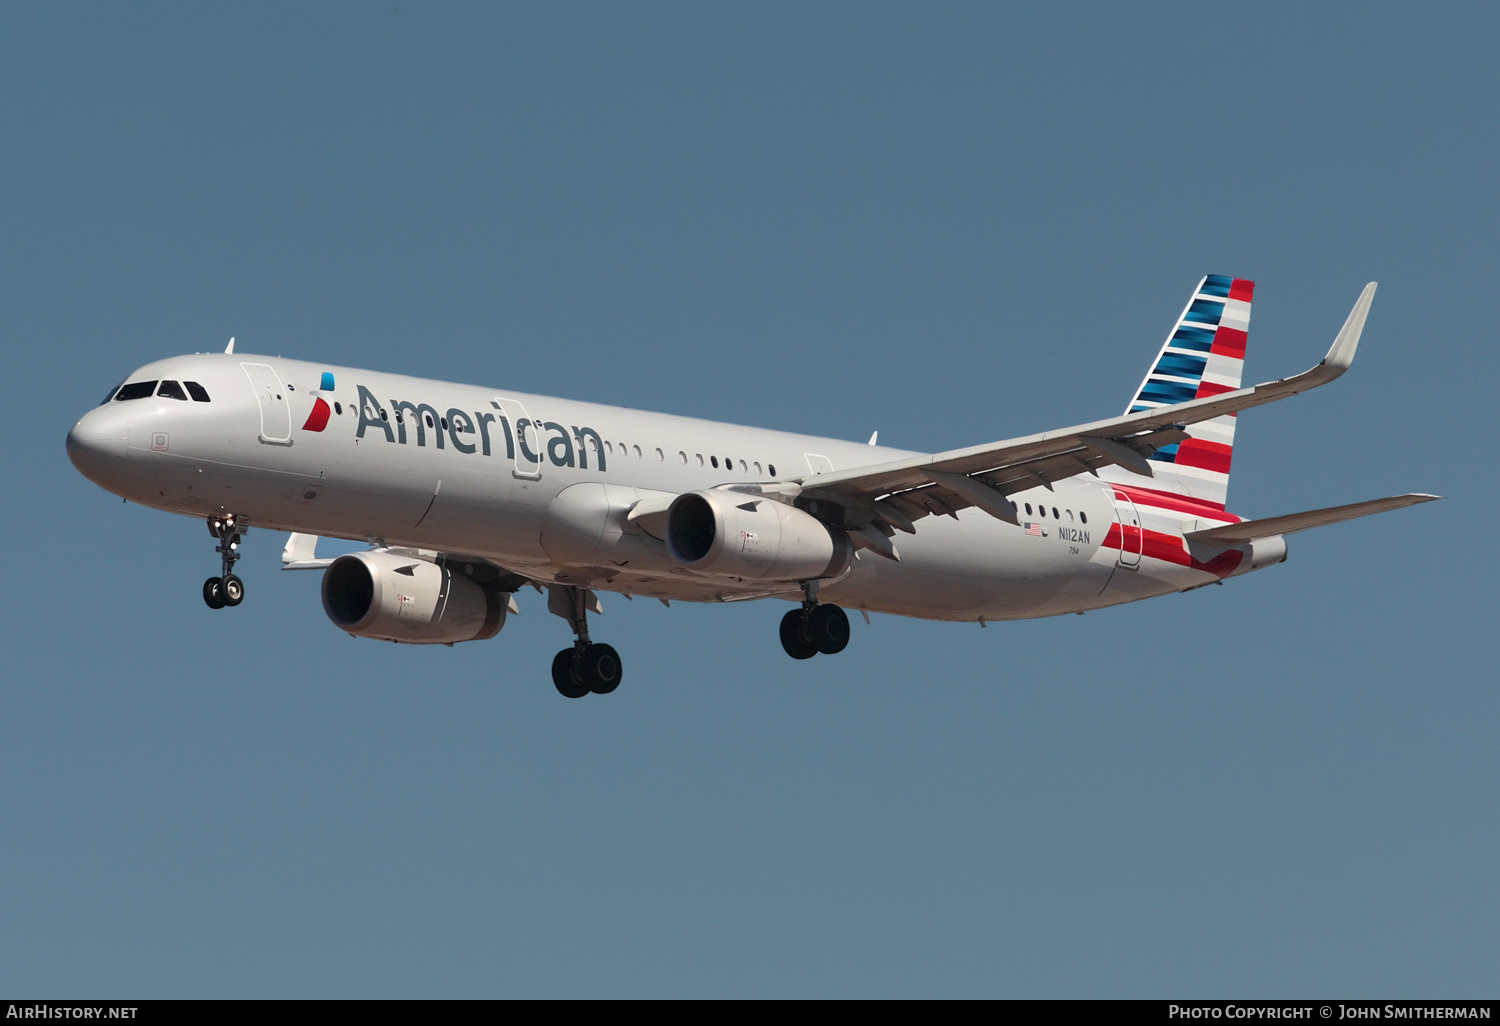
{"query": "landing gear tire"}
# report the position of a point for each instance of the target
(599, 668)
(794, 635)
(233, 590)
(828, 629)
(213, 593)
(586, 666)
(563, 676)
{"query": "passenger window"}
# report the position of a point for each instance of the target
(1083, 516)
(609, 447)
(197, 391)
(699, 457)
(1070, 514)
(757, 467)
(682, 458)
(772, 468)
(1054, 514)
(1028, 509)
(743, 468)
(135, 390)
(338, 408)
(172, 390)
(637, 451)
(660, 455)
(715, 461)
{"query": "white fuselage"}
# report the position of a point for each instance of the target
(541, 487)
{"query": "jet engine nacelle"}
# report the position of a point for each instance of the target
(399, 598)
(738, 535)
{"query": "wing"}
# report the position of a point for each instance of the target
(896, 494)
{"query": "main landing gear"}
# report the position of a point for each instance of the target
(226, 589)
(814, 628)
(586, 666)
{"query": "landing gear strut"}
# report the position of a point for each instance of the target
(586, 666)
(226, 589)
(814, 628)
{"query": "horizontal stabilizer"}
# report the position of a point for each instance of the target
(1249, 530)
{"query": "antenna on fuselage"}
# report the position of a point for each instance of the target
(873, 435)
(229, 348)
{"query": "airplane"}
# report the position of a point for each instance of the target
(466, 495)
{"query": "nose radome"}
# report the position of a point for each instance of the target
(97, 440)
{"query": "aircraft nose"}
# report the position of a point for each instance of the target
(98, 442)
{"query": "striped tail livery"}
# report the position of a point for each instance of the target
(1203, 356)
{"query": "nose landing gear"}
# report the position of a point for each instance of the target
(586, 667)
(226, 589)
(816, 627)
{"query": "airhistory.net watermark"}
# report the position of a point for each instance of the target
(43, 1010)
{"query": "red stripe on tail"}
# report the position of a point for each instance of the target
(1195, 452)
(1229, 342)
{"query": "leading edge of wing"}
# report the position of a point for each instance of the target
(877, 478)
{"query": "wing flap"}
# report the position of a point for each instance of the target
(1249, 530)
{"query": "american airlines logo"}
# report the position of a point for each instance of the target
(317, 420)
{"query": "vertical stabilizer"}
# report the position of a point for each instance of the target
(1203, 356)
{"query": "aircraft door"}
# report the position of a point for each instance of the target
(275, 410)
(1132, 538)
(525, 435)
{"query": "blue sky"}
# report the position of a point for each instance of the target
(950, 223)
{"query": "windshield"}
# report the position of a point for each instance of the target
(135, 390)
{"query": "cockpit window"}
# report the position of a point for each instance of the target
(112, 392)
(197, 391)
(135, 390)
(171, 390)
